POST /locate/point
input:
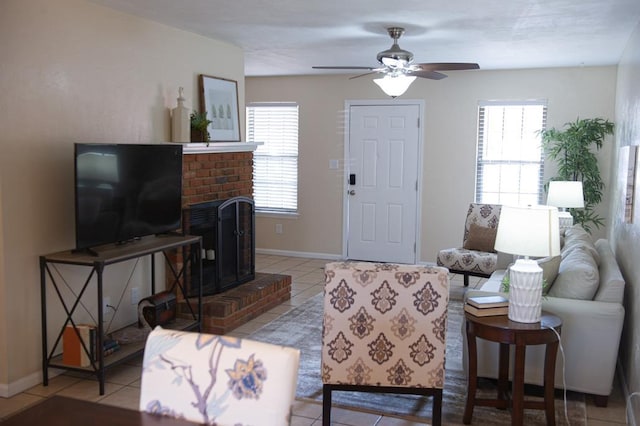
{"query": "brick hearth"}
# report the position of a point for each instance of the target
(226, 311)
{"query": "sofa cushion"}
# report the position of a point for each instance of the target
(480, 238)
(611, 287)
(578, 276)
(463, 260)
(575, 237)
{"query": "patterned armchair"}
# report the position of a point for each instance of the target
(384, 330)
(218, 380)
(477, 256)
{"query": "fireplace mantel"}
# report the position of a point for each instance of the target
(214, 147)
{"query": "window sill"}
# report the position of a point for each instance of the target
(286, 215)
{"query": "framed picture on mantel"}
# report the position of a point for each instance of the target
(219, 99)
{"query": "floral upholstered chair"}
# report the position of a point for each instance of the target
(218, 380)
(384, 330)
(477, 256)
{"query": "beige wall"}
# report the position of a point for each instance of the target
(72, 71)
(4, 376)
(449, 138)
(626, 237)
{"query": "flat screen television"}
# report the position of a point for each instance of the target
(126, 191)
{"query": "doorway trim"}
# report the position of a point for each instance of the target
(347, 166)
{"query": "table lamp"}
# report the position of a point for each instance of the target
(565, 194)
(527, 231)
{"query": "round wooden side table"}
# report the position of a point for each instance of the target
(502, 330)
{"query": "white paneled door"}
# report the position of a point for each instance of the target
(382, 172)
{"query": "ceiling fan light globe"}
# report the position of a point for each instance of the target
(394, 86)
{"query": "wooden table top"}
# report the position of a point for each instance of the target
(63, 411)
(499, 328)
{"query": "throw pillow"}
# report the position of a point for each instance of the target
(480, 238)
(576, 231)
(550, 267)
(578, 276)
(576, 236)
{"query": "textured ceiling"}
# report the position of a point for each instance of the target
(288, 37)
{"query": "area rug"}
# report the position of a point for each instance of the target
(302, 328)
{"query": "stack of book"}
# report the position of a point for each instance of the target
(484, 306)
(110, 346)
(73, 352)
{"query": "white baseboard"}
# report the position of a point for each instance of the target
(7, 390)
(310, 255)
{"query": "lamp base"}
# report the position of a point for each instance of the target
(525, 291)
(565, 221)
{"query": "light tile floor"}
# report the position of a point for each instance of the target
(123, 382)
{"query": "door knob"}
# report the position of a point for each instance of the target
(352, 192)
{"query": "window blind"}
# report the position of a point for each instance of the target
(510, 158)
(275, 163)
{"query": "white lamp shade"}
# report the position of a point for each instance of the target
(394, 85)
(528, 231)
(565, 194)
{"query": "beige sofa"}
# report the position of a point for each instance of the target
(585, 289)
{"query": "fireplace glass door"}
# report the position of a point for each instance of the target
(227, 230)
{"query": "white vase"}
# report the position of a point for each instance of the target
(525, 291)
(180, 123)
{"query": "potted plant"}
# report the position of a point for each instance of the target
(199, 125)
(572, 149)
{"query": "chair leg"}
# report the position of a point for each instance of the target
(466, 280)
(326, 405)
(437, 408)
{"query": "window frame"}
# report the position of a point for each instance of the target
(266, 155)
(482, 162)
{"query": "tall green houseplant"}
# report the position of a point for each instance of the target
(572, 149)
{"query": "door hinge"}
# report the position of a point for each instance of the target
(414, 248)
(416, 186)
(418, 122)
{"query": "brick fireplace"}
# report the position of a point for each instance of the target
(217, 172)
(213, 176)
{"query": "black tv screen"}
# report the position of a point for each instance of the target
(126, 191)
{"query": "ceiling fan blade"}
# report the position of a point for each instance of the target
(342, 68)
(431, 75)
(375, 71)
(446, 66)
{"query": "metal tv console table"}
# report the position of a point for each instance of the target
(105, 256)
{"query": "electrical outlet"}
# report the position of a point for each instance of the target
(278, 228)
(135, 295)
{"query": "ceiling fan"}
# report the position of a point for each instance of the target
(398, 68)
